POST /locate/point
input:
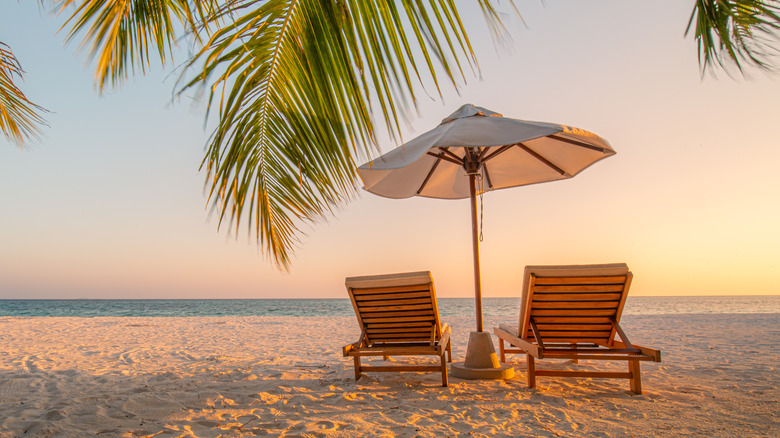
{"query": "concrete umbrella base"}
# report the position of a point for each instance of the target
(481, 360)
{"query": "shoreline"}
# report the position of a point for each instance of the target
(285, 376)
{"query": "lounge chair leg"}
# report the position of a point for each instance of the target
(531, 371)
(357, 367)
(444, 381)
(449, 352)
(636, 376)
(501, 352)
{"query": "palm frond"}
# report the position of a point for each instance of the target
(123, 35)
(297, 84)
(20, 119)
(742, 33)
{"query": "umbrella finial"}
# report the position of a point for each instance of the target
(469, 110)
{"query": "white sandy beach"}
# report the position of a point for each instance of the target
(274, 376)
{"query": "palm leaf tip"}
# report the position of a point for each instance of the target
(124, 36)
(736, 33)
(20, 119)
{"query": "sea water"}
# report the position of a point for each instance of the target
(448, 307)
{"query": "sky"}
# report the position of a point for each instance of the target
(111, 204)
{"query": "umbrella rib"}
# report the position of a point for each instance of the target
(430, 173)
(441, 156)
(536, 155)
(578, 143)
(487, 176)
(498, 151)
(457, 159)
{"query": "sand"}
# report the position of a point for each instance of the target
(274, 376)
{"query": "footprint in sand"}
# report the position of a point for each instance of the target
(29, 363)
(185, 355)
(53, 415)
(125, 357)
(323, 425)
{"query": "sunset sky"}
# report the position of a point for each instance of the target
(110, 203)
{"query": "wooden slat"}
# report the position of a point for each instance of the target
(386, 340)
(594, 350)
(585, 305)
(586, 356)
(392, 296)
(424, 312)
(425, 324)
(390, 290)
(573, 312)
(560, 346)
(397, 320)
(580, 288)
(580, 280)
(547, 327)
(574, 334)
(420, 335)
(593, 374)
(551, 335)
(595, 340)
(391, 351)
(399, 368)
(572, 319)
(382, 303)
(399, 347)
(402, 329)
(577, 296)
(394, 337)
(365, 310)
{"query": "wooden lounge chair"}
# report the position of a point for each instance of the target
(398, 316)
(573, 312)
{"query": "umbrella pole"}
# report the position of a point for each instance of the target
(481, 359)
(475, 241)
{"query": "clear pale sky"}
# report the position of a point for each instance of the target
(110, 203)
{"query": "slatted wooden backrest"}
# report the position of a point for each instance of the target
(574, 303)
(396, 307)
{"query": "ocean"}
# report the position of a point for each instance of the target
(448, 307)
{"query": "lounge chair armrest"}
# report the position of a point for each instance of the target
(522, 344)
(351, 347)
(445, 337)
(651, 352)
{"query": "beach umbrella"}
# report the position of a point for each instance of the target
(475, 150)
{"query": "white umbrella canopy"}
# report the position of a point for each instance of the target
(506, 152)
(475, 143)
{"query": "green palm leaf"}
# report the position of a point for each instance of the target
(298, 85)
(291, 79)
(20, 119)
(738, 32)
(121, 34)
